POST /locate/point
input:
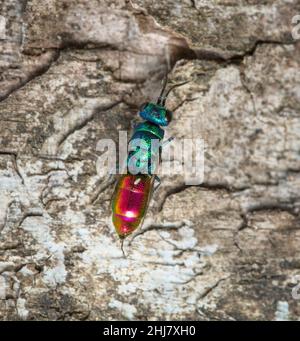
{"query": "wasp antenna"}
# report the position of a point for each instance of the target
(164, 98)
(122, 247)
(165, 82)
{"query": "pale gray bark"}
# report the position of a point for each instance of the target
(74, 72)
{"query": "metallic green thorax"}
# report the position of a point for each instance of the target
(150, 128)
(144, 145)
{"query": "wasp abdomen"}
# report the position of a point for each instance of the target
(130, 202)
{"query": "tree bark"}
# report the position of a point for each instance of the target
(76, 71)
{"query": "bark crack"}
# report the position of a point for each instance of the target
(37, 72)
(14, 156)
(204, 185)
(175, 225)
(29, 215)
(210, 289)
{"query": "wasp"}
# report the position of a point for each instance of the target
(134, 189)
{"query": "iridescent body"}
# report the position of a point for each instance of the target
(145, 156)
(130, 202)
(133, 190)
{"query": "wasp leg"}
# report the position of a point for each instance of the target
(158, 182)
(109, 181)
(169, 140)
(133, 124)
(163, 144)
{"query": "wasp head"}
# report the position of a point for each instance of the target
(156, 114)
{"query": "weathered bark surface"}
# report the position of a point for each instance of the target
(74, 72)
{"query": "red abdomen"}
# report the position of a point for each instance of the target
(130, 202)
